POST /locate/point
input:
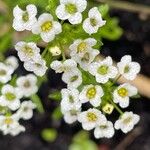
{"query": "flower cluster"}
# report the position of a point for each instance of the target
(88, 78)
(12, 109)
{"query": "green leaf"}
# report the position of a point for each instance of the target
(55, 95)
(37, 101)
(104, 9)
(81, 136)
(33, 38)
(49, 134)
(57, 115)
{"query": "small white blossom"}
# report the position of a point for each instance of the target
(26, 110)
(91, 119)
(127, 122)
(38, 67)
(5, 73)
(80, 47)
(71, 115)
(106, 130)
(103, 70)
(127, 68)
(91, 93)
(93, 22)
(10, 125)
(47, 27)
(55, 51)
(24, 20)
(70, 99)
(10, 97)
(27, 51)
(72, 78)
(122, 93)
(71, 10)
(12, 61)
(65, 66)
(27, 84)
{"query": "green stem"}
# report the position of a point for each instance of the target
(116, 79)
(116, 107)
(45, 52)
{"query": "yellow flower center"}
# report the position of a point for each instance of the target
(2, 72)
(91, 92)
(71, 100)
(8, 121)
(126, 69)
(25, 17)
(47, 26)
(71, 8)
(93, 22)
(28, 51)
(123, 92)
(91, 117)
(10, 96)
(103, 70)
(81, 47)
(127, 120)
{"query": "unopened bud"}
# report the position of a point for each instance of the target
(55, 51)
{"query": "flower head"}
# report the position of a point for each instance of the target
(47, 27)
(91, 93)
(127, 122)
(72, 78)
(27, 84)
(24, 20)
(5, 73)
(91, 119)
(71, 10)
(10, 125)
(65, 66)
(10, 97)
(122, 93)
(106, 130)
(26, 110)
(103, 70)
(93, 22)
(27, 51)
(127, 68)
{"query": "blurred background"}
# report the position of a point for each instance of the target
(127, 32)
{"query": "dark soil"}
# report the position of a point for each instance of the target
(135, 42)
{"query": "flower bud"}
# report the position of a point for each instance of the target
(55, 51)
(108, 108)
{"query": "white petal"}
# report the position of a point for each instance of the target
(76, 18)
(32, 10)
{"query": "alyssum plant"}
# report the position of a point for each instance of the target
(72, 34)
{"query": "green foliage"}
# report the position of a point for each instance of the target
(81, 141)
(49, 134)
(55, 95)
(104, 9)
(37, 101)
(57, 115)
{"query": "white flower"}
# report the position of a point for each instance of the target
(27, 51)
(47, 27)
(91, 93)
(80, 47)
(5, 73)
(72, 78)
(127, 68)
(27, 84)
(93, 22)
(65, 66)
(70, 100)
(26, 110)
(71, 10)
(71, 116)
(106, 130)
(55, 51)
(91, 119)
(103, 70)
(10, 125)
(12, 61)
(127, 122)
(83, 53)
(122, 93)
(24, 20)
(10, 97)
(38, 67)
